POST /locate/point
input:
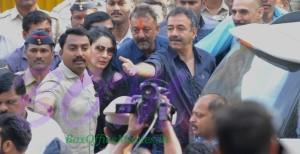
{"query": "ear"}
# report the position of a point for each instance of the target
(260, 12)
(60, 52)
(194, 30)
(8, 146)
(25, 99)
(24, 35)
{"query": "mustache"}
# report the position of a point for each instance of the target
(38, 61)
(142, 40)
(78, 59)
(116, 13)
(177, 39)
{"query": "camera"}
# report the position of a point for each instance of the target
(148, 103)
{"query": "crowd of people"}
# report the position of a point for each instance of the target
(65, 74)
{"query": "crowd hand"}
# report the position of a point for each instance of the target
(128, 67)
(134, 127)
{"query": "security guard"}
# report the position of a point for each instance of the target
(11, 22)
(39, 53)
(63, 9)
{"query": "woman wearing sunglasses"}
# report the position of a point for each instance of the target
(108, 83)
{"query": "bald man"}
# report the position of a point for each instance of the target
(202, 119)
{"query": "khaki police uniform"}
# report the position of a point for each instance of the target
(31, 86)
(64, 13)
(11, 26)
(6, 47)
(75, 106)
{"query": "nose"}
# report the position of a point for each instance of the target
(191, 119)
(141, 34)
(172, 32)
(38, 54)
(3, 108)
(237, 16)
(79, 52)
(105, 54)
(116, 7)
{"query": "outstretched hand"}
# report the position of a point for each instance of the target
(127, 66)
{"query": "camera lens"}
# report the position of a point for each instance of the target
(149, 92)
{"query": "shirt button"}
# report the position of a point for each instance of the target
(202, 76)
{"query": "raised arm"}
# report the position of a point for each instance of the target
(142, 69)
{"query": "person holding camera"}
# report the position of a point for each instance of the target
(186, 68)
(127, 142)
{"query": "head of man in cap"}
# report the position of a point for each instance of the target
(39, 51)
(116, 124)
(80, 9)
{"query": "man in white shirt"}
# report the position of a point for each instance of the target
(13, 99)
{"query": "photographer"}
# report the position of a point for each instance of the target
(171, 143)
(15, 133)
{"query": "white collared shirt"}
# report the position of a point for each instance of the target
(223, 12)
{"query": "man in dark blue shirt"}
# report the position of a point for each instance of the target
(185, 67)
(144, 29)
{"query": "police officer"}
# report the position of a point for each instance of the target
(39, 52)
(63, 9)
(11, 21)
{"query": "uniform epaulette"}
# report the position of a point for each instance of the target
(5, 14)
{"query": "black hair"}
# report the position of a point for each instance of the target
(73, 31)
(8, 80)
(34, 17)
(200, 148)
(244, 128)
(143, 10)
(97, 32)
(99, 16)
(115, 131)
(15, 129)
(187, 12)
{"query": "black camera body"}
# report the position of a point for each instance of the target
(149, 103)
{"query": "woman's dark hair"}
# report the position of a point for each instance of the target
(99, 16)
(97, 32)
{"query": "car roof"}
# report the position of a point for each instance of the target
(278, 40)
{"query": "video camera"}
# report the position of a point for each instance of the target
(149, 103)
